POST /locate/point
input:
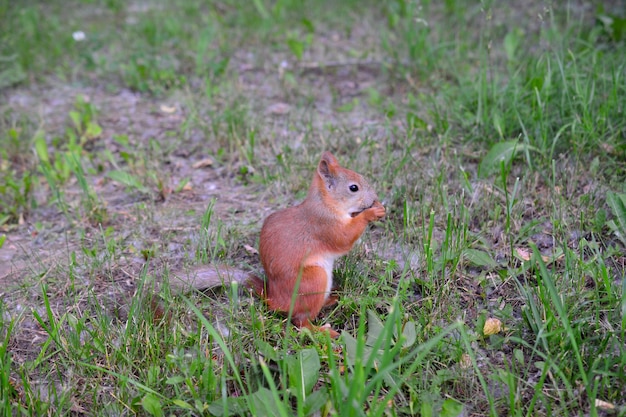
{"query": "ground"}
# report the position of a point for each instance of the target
(494, 136)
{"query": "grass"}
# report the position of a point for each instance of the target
(494, 135)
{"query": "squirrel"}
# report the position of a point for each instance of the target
(299, 245)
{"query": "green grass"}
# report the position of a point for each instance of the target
(494, 135)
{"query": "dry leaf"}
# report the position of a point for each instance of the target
(524, 254)
(187, 187)
(465, 362)
(250, 249)
(603, 405)
(168, 109)
(608, 148)
(206, 162)
(279, 108)
(492, 326)
(77, 408)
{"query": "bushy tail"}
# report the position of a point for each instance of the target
(208, 276)
(201, 278)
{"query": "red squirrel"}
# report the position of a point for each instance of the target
(299, 245)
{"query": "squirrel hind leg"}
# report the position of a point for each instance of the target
(257, 285)
(331, 300)
(311, 298)
(300, 323)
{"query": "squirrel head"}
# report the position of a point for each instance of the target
(342, 190)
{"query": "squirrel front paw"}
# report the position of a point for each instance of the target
(376, 212)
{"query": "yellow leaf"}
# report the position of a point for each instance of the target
(492, 326)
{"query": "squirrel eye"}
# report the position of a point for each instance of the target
(354, 188)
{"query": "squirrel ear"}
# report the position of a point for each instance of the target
(330, 158)
(326, 169)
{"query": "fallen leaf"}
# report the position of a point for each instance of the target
(608, 148)
(279, 108)
(492, 326)
(603, 405)
(187, 187)
(77, 408)
(250, 249)
(524, 254)
(168, 109)
(465, 362)
(206, 162)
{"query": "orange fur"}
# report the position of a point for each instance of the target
(298, 245)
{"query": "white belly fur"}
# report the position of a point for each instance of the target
(327, 264)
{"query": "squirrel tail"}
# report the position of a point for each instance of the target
(208, 276)
(205, 277)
